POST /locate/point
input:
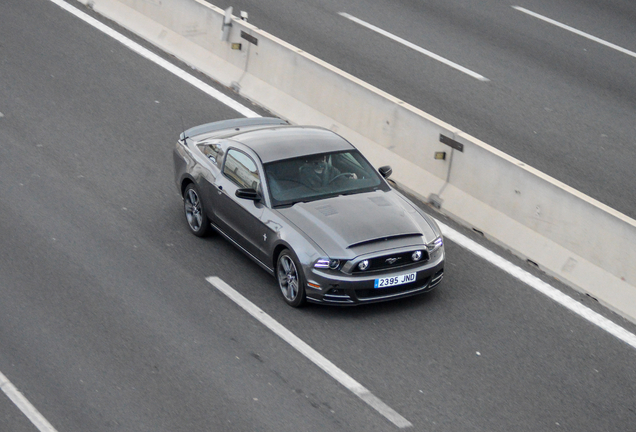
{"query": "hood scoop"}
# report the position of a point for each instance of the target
(383, 239)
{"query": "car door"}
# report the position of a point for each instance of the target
(208, 157)
(239, 218)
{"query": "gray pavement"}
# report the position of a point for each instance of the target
(107, 322)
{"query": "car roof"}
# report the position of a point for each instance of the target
(287, 142)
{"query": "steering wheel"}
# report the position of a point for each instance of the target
(348, 174)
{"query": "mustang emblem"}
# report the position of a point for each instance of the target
(391, 261)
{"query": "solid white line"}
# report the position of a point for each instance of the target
(24, 405)
(226, 100)
(414, 47)
(539, 285)
(575, 31)
(313, 355)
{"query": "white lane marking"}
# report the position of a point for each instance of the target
(24, 405)
(414, 47)
(318, 359)
(460, 239)
(541, 286)
(575, 31)
(226, 100)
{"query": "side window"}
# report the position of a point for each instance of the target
(241, 169)
(213, 152)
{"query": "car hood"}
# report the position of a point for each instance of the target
(347, 222)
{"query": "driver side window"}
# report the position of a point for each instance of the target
(242, 170)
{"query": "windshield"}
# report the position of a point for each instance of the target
(319, 176)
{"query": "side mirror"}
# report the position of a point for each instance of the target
(386, 171)
(248, 193)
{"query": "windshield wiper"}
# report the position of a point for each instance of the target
(290, 204)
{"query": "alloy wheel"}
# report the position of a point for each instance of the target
(288, 278)
(193, 210)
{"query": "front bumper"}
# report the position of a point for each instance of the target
(349, 290)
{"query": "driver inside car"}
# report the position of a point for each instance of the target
(319, 172)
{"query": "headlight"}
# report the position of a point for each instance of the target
(363, 265)
(435, 244)
(332, 264)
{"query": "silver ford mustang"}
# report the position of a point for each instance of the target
(305, 205)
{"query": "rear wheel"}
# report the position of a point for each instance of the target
(290, 279)
(198, 221)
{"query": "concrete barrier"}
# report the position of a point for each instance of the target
(567, 234)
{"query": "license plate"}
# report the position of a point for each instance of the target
(395, 280)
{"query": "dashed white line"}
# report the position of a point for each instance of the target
(44, 426)
(24, 405)
(314, 356)
(414, 47)
(500, 262)
(575, 31)
(144, 52)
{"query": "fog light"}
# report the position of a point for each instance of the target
(416, 256)
(363, 265)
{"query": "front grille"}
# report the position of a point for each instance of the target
(393, 261)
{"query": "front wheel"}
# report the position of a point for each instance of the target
(290, 279)
(198, 221)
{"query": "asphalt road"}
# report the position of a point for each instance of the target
(108, 324)
(557, 101)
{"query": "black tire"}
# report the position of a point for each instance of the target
(196, 217)
(291, 279)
